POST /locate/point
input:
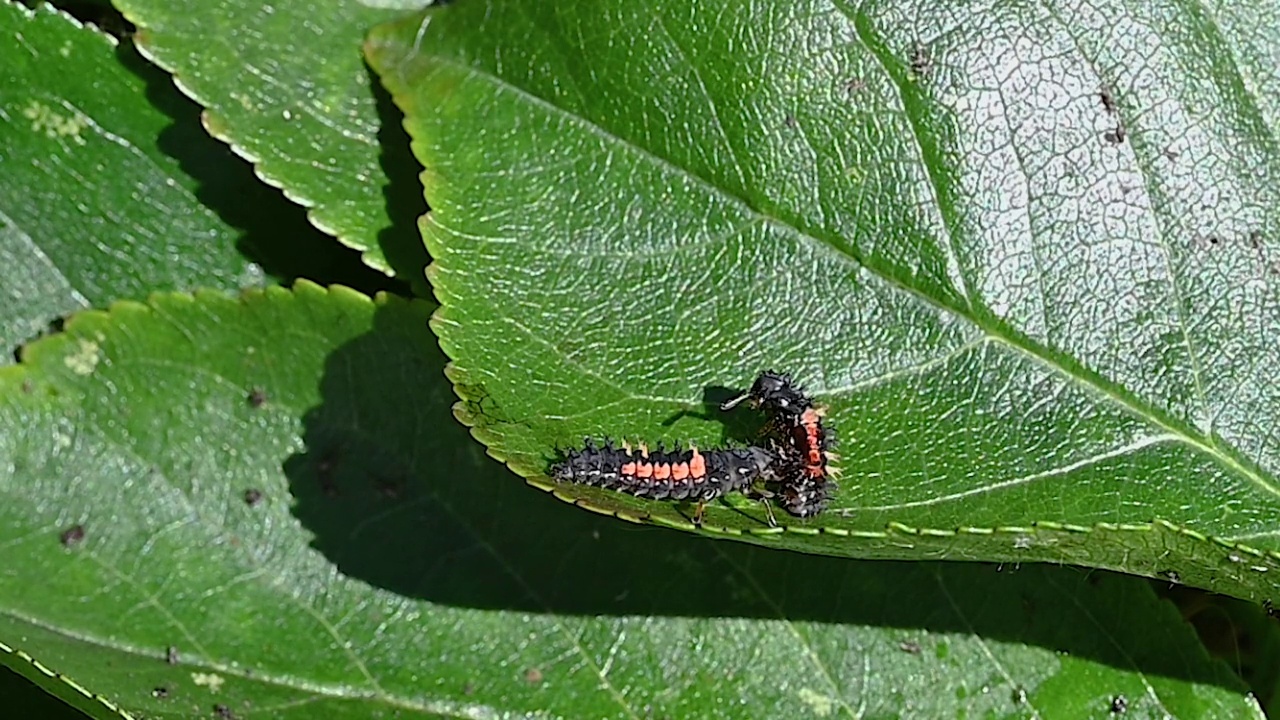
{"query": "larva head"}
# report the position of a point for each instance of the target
(774, 392)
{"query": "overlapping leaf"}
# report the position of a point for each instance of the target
(70, 239)
(285, 86)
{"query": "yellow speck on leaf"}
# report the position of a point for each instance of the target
(820, 704)
(54, 126)
(210, 680)
(84, 359)
(62, 440)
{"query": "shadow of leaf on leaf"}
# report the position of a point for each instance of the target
(398, 495)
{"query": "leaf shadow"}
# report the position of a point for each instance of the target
(275, 232)
(398, 495)
(401, 242)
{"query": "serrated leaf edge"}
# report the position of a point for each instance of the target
(213, 122)
(55, 675)
(1237, 552)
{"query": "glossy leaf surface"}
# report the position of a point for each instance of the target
(284, 85)
(72, 116)
(1023, 253)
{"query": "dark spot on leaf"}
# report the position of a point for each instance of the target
(27, 386)
(1171, 575)
(389, 488)
(469, 689)
(1019, 695)
(791, 121)
(909, 646)
(1269, 607)
(257, 397)
(324, 470)
(1170, 154)
(223, 711)
(1108, 100)
(1119, 705)
(72, 536)
(853, 85)
(533, 676)
(252, 497)
(326, 461)
(161, 692)
(171, 655)
(1255, 239)
(920, 60)
(1117, 136)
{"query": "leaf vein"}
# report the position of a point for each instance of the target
(1023, 480)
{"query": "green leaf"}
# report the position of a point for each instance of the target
(1045, 324)
(25, 698)
(285, 86)
(385, 567)
(91, 208)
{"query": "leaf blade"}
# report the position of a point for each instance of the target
(386, 566)
(1001, 331)
(297, 102)
(67, 240)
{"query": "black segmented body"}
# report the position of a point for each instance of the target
(804, 496)
(801, 442)
(665, 475)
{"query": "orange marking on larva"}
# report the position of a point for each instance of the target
(809, 435)
(661, 472)
(680, 471)
(697, 466)
(644, 470)
(628, 468)
(814, 443)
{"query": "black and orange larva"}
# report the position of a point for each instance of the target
(803, 472)
(665, 475)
